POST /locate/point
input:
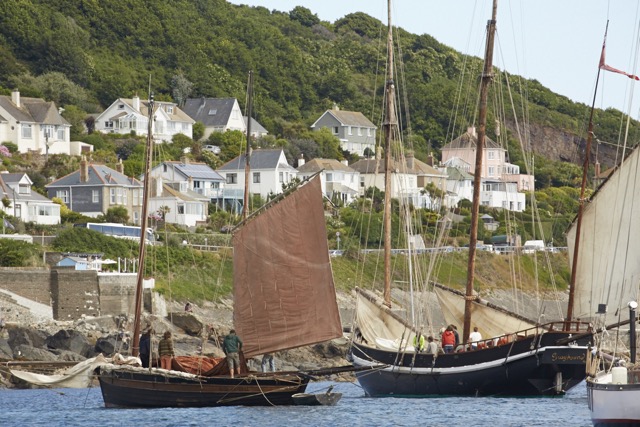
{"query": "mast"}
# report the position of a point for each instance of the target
(583, 186)
(389, 125)
(487, 77)
(135, 350)
(247, 155)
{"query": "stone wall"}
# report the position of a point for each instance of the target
(29, 283)
(74, 293)
(117, 293)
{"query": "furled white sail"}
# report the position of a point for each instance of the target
(491, 322)
(609, 255)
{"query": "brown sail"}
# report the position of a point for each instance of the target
(284, 295)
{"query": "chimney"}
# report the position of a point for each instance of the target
(472, 131)
(84, 170)
(430, 161)
(301, 160)
(136, 103)
(409, 161)
(335, 107)
(120, 166)
(15, 97)
(345, 162)
(184, 160)
(190, 183)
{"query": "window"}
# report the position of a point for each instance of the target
(26, 131)
(491, 155)
(256, 177)
(164, 167)
(95, 196)
(171, 126)
(112, 196)
(362, 181)
(197, 184)
(359, 131)
(232, 178)
(46, 210)
(335, 130)
(137, 197)
(349, 130)
(61, 133)
(492, 170)
(181, 209)
(24, 189)
(281, 177)
(136, 217)
(368, 131)
(329, 177)
(213, 112)
(108, 124)
(120, 106)
(170, 109)
(63, 195)
(184, 186)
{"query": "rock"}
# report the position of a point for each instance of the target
(68, 356)
(27, 352)
(188, 322)
(112, 344)
(72, 341)
(5, 350)
(19, 335)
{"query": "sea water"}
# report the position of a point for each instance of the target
(84, 407)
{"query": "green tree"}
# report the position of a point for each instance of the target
(117, 214)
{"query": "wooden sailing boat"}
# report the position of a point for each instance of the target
(605, 272)
(530, 359)
(283, 298)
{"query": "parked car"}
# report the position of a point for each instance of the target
(212, 148)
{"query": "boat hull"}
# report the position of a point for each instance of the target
(136, 388)
(613, 404)
(522, 368)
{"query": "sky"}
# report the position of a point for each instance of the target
(556, 42)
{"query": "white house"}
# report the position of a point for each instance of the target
(131, 115)
(217, 114)
(337, 179)
(268, 173)
(177, 204)
(33, 124)
(193, 176)
(24, 203)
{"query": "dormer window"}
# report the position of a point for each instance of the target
(213, 112)
(169, 109)
(24, 189)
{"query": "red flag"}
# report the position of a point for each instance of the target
(604, 66)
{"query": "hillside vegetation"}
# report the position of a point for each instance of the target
(302, 66)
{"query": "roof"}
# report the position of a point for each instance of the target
(368, 166)
(469, 139)
(7, 179)
(195, 170)
(260, 159)
(99, 175)
(316, 165)
(255, 126)
(349, 118)
(210, 111)
(458, 174)
(177, 115)
(33, 110)
(170, 190)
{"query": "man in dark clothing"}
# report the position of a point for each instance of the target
(145, 348)
(231, 346)
(455, 333)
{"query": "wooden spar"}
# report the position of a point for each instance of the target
(487, 77)
(247, 156)
(389, 124)
(583, 186)
(135, 349)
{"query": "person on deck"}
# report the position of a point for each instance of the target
(432, 347)
(165, 351)
(474, 338)
(448, 340)
(418, 342)
(456, 335)
(268, 363)
(145, 348)
(231, 346)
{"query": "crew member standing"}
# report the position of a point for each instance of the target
(232, 345)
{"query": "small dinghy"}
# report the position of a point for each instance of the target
(319, 399)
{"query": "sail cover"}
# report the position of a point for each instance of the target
(284, 295)
(490, 321)
(608, 267)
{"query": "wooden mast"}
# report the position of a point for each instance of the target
(390, 123)
(135, 349)
(487, 77)
(583, 186)
(247, 155)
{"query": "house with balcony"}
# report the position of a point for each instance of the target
(268, 173)
(20, 201)
(93, 189)
(34, 125)
(501, 180)
(356, 133)
(339, 182)
(191, 176)
(132, 115)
